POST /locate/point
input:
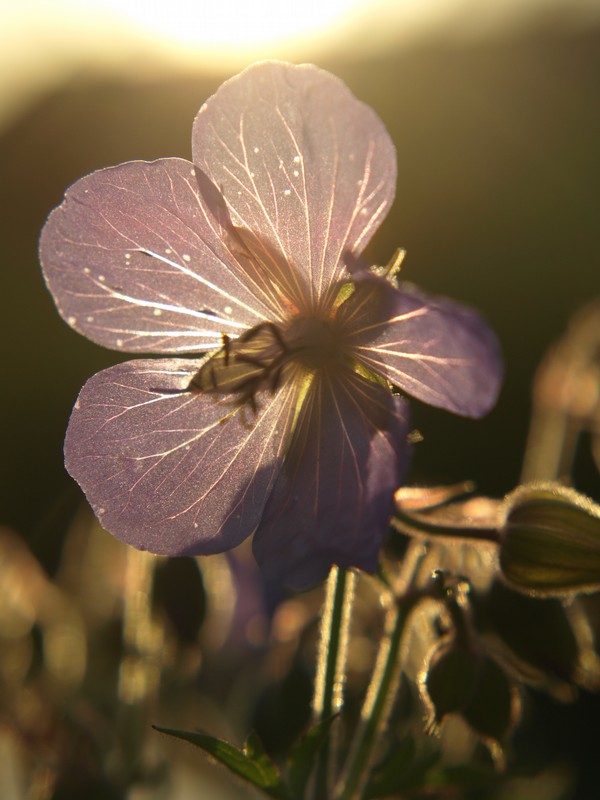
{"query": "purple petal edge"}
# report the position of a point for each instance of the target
(301, 163)
(171, 471)
(436, 350)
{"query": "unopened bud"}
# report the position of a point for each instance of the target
(550, 540)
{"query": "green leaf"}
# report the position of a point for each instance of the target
(465, 776)
(252, 764)
(254, 748)
(303, 755)
(401, 770)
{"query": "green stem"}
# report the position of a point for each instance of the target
(386, 676)
(379, 701)
(331, 664)
(415, 524)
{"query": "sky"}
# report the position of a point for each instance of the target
(43, 43)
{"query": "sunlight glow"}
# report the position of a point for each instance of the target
(231, 23)
(45, 43)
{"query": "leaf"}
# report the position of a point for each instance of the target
(465, 776)
(303, 755)
(251, 763)
(402, 769)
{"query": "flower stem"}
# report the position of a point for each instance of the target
(385, 681)
(331, 664)
(414, 524)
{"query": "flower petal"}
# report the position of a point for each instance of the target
(436, 350)
(173, 471)
(136, 258)
(333, 500)
(301, 163)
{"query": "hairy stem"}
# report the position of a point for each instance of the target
(328, 696)
(385, 681)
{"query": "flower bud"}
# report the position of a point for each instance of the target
(448, 681)
(467, 681)
(550, 540)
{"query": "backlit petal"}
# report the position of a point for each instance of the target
(333, 500)
(436, 350)
(136, 258)
(303, 165)
(171, 471)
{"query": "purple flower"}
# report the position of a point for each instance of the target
(288, 427)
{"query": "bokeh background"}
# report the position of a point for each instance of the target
(495, 112)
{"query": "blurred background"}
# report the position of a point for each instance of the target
(495, 112)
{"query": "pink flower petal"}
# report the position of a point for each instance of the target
(436, 350)
(137, 259)
(333, 499)
(169, 471)
(304, 165)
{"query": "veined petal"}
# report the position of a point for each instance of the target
(333, 499)
(436, 350)
(136, 259)
(303, 165)
(172, 471)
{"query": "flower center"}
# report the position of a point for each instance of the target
(260, 357)
(313, 342)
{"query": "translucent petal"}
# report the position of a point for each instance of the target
(173, 471)
(436, 350)
(301, 163)
(137, 259)
(333, 500)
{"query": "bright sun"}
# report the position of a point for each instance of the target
(232, 23)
